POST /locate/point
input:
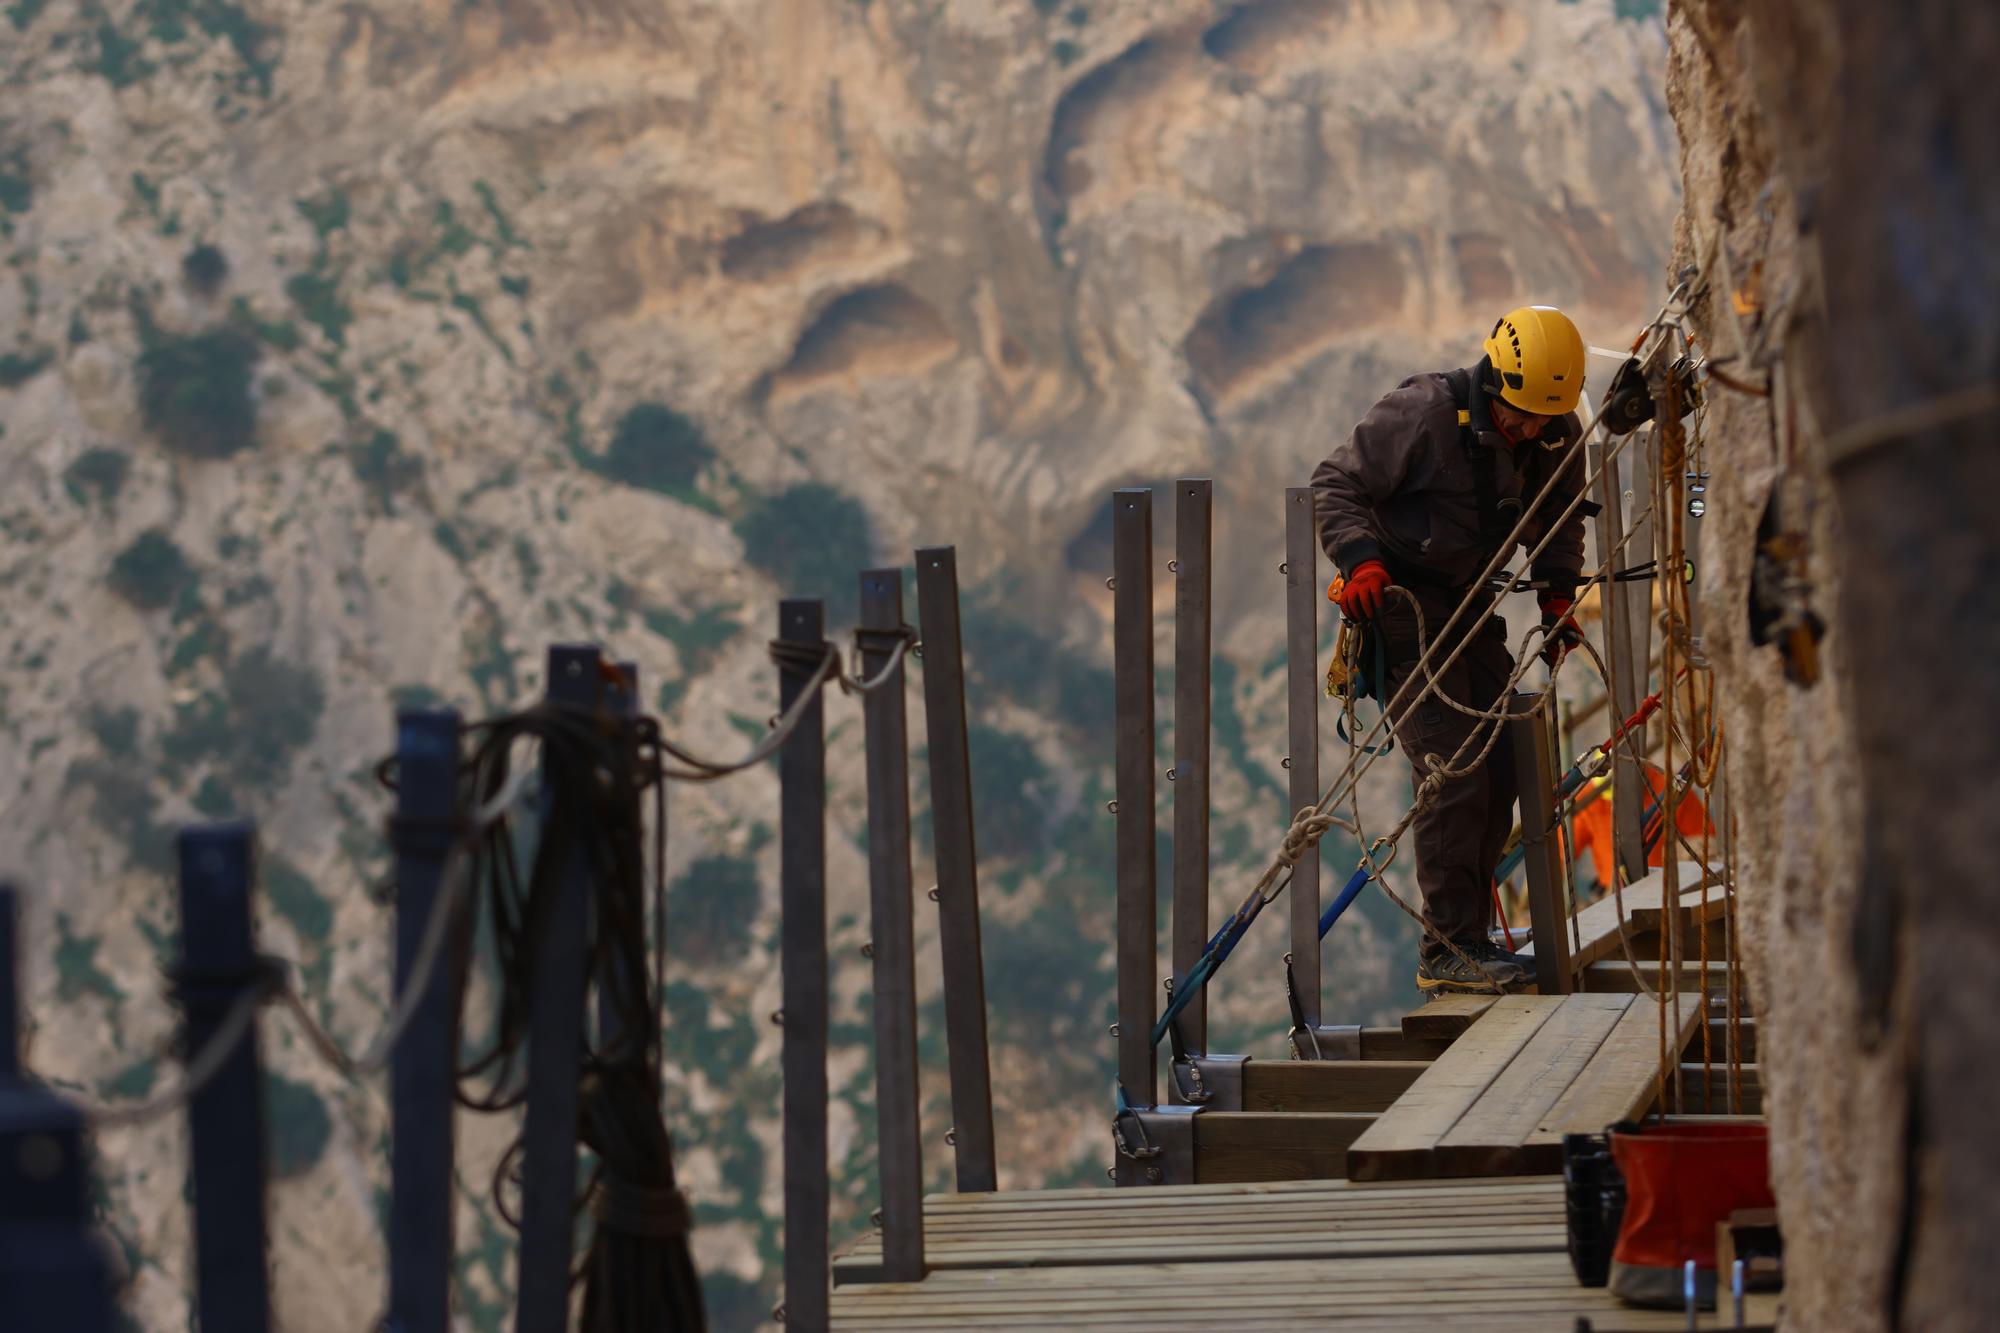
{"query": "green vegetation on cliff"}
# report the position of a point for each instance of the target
(813, 540)
(194, 392)
(150, 572)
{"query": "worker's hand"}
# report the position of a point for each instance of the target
(1563, 633)
(1362, 596)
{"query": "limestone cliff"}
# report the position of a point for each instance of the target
(364, 349)
(1834, 156)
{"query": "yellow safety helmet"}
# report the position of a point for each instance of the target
(1538, 355)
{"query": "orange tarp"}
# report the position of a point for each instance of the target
(1590, 830)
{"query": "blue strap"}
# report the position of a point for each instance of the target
(1348, 893)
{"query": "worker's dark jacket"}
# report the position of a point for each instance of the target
(1406, 489)
(1402, 489)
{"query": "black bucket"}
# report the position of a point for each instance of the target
(1594, 1202)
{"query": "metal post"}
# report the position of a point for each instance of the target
(1548, 913)
(1193, 538)
(621, 700)
(1302, 690)
(53, 1274)
(1132, 671)
(421, 1084)
(10, 995)
(899, 1153)
(1628, 619)
(802, 963)
(957, 871)
(226, 1118)
(555, 1039)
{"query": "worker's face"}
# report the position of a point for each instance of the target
(1514, 425)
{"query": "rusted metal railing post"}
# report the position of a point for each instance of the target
(621, 701)
(421, 1074)
(899, 1156)
(957, 871)
(218, 971)
(1137, 872)
(1302, 690)
(1627, 622)
(1193, 538)
(555, 1042)
(1548, 903)
(52, 1270)
(802, 964)
(11, 1069)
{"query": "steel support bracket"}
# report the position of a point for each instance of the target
(1211, 1081)
(1155, 1145)
(1327, 1043)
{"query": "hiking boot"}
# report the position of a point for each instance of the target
(1490, 966)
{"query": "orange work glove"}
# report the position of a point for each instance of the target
(1563, 631)
(1361, 598)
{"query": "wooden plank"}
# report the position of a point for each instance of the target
(1234, 1294)
(1276, 1193)
(1241, 1221)
(1433, 1272)
(1395, 1044)
(1618, 1083)
(1402, 1143)
(1080, 1245)
(1265, 1145)
(897, 1299)
(1445, 1017)
(1504, 1237)
(1615, 974)
(1598, 924)
(1389, 1319)
(1006, 1308)
(1708, 1096)
(1718, 1040)
(1327, 1085)
(1488, 1138)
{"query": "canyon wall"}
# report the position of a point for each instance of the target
(355, 352)
(1837, 159)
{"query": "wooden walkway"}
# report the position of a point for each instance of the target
(1530, 1069)
(1290, 1255)
(1414, 1183)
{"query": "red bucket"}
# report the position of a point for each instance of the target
(1680, 1182)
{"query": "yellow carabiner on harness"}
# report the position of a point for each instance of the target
(1340, 672)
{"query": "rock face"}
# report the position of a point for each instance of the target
(366, 349)
(1825, 178)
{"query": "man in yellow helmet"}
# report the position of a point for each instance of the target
(1422, 496)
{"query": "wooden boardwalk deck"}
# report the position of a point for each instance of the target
(1453, 1213)
(1290, 1255)
(1529, 1069)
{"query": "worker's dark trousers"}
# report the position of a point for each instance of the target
(1458, 836)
